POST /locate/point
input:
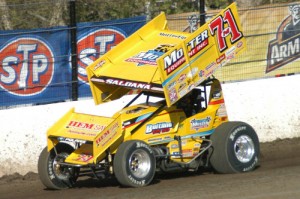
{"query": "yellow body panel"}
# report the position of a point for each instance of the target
(107, 139)
(160, 128)
(161, 61)
(190, 148)
(200, 54)
(81, 156)
(77, 126)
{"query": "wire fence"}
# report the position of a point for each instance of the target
(272, 33)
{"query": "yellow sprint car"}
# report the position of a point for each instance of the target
(185, 128)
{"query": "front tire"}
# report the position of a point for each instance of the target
(235, 148)
(134, 164)
(54, 175)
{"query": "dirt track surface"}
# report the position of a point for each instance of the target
(277, 177)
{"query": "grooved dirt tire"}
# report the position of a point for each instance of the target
(134, 164)
(52, 175)
(235, 148)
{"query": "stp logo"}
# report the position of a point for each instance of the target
(27, 66)
(93, 45)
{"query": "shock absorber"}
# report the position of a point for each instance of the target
(110, 162)
(178, 138)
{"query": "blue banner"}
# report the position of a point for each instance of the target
(35, 66)
(95, 39)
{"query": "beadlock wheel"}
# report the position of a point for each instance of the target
(140, 163)
(134, 164)
(235, 148)
(244, 148)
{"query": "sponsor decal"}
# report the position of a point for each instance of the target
(230, 53)
(27, 66)
(223, 27)
(184, 88)
(285, 48)
(211, 66)
(252, 165)
(144, 145)
(191, 86)
(176, 154)
(83, 158)
(182, 78)
(84, 125)
(183, 92)
(99, 65)
(155, 140)
(198, 43)
(83, 128)
(240, 44)
(195, 151)
(173, 95)
(171, 85)
(200, 123)
(137, 182)
(209, 70)
(172, 35)
(63, 139)
(181, 86)
(159, 128)
(222, 111)
(127, 83)
(221, 58)
(187, 153)
(131, 84)
(201, 73)
(150, 56)
(83, 133)
(233, 134)
(173, 60)
(197, 145)
(167, 137)
(183, 142)
(93, 45)
(107, 135)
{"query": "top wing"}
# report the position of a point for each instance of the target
(160, 60)
(197, 57)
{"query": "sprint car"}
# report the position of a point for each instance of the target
(185, 128)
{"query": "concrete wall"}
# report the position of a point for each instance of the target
(271, 106)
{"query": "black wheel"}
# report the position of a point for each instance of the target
(134, 164)
(235, 148)
(54, 175)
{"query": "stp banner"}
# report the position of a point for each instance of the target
(35, 65)
(95, 39)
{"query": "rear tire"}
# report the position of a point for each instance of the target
(235, 148)
(134, 164)
(53, 175)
